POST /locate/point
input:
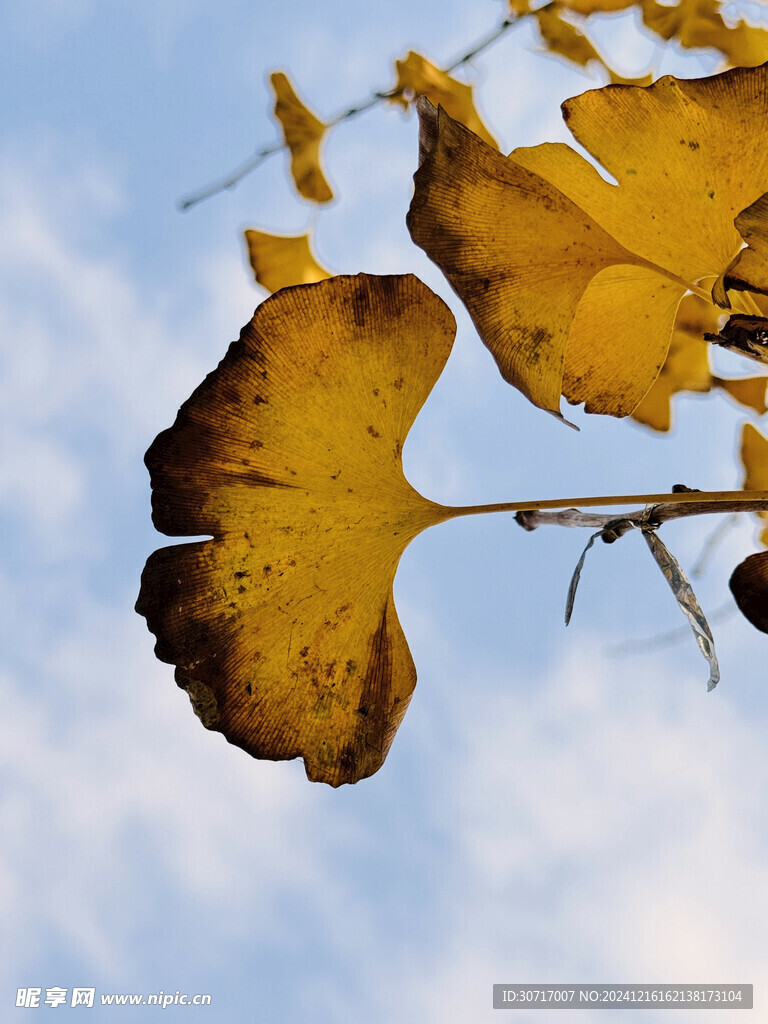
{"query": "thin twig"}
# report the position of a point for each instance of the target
(668, 639)
(711, 543)
(236, 176)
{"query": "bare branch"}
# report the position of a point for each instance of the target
(243, 170)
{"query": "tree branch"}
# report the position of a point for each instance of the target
(242, 170)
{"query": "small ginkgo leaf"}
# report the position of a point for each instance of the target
(687, 368)
(572, 282)
(279, 261)
(303, 133)
(747, 391)
(597, 6)
(749, 586)
(563, 37)
(698, 24)
(687, 365)
(416, 77)
(754, 458)
(283, 627)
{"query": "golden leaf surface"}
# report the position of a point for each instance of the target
(698, 24)
(574, 282)
(687, 368)
(597, 6)
(754, 458)
(303, 133)
(749, 271)
(280, 261)
(416, 76)
(283, 627)
(563, 37)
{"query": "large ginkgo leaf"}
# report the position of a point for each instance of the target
(303, 133)
(279, 261)
(574, 282)
(283, 627)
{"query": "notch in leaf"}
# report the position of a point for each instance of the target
(283, 627)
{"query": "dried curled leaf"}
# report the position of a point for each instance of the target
(746, 335)
(687, 602)
(303, 133)
(754, 458)
(749, 586)
(687, 368)
(416, 77)
(572, 282)
(283, 627)
(279, 261)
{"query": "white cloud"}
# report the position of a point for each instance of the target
(611, 829)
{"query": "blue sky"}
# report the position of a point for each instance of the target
(550, 810)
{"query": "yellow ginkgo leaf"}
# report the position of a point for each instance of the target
(687, 365)
(303, 133)
(747, 391)
(283, 627)
(749, 271)
(698, 24)
(754, 458)
(597, 6)
(279, 261)
(574, 282)
(563, 37)
(416, 76)
(687, 368)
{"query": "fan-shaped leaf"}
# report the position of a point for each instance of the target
(283, 626)
(698, 24)
(416, 77)
(279, 261)
(687, 368)
(303, 133)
